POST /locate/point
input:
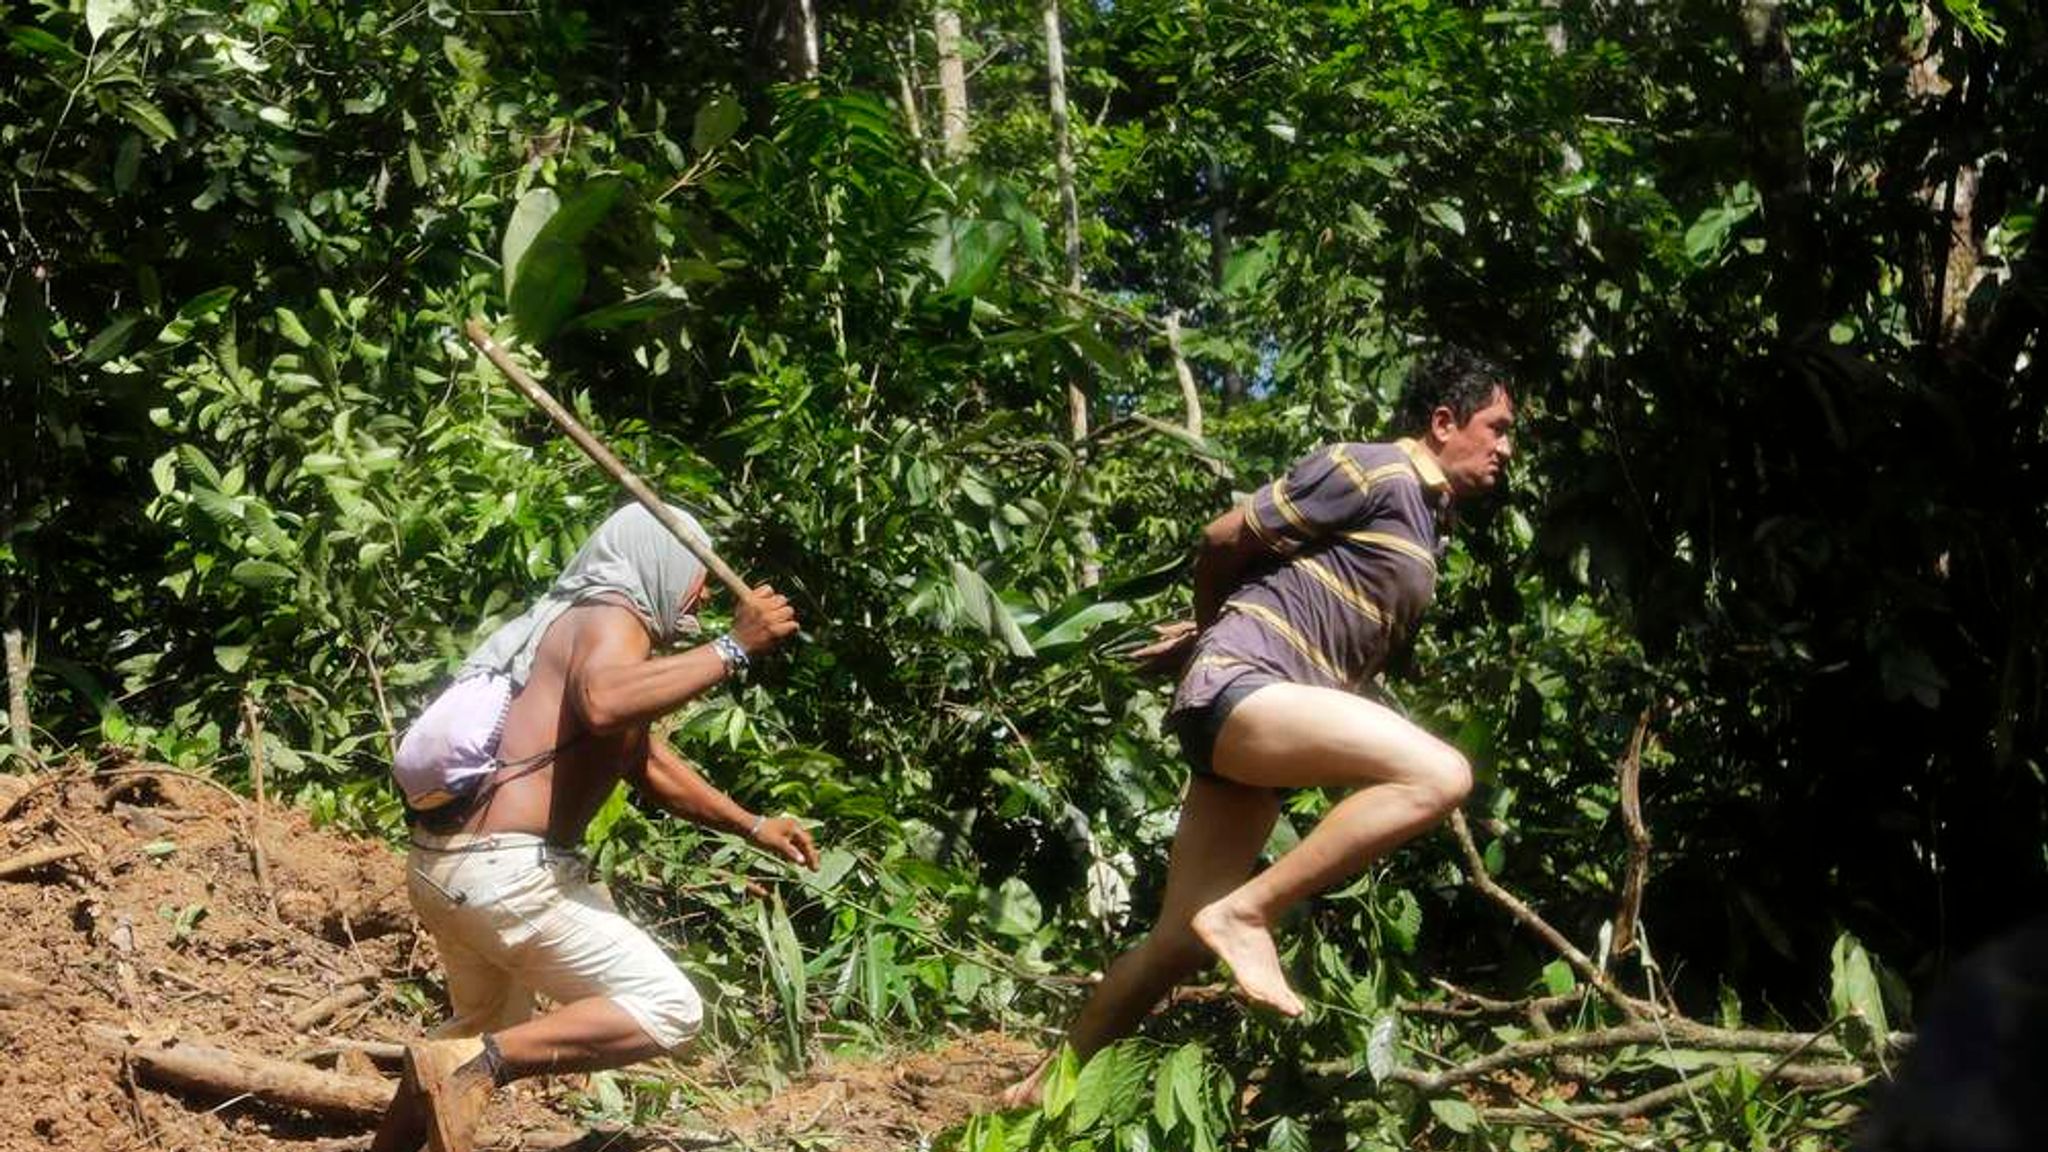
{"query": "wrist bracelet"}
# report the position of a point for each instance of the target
(756, 829)
(731, 654)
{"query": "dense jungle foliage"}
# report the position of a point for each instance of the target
(1765, 274)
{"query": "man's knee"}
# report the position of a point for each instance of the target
(670, 1015)
(1446, 778)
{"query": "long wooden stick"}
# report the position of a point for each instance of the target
(613, 466)
(221, 1072)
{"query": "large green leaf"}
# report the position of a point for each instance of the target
(544, 268)
(979, 603)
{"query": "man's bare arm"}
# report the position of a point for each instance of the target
(613, 685)
(1228, 546)
(676, 785)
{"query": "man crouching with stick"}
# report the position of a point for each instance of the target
(502, 775)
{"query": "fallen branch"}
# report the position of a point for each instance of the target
(30, 861)
(1676, 1031)
(220, 1072)
(254, 730)
(382, 1051)
(1801, 1075)
(1581, 963)
(1637, 878)
(324, 1008)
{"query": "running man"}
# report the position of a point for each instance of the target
(1300, 597)
(502, 775)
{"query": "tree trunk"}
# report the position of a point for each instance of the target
(1070, 212)
(906, 88)
(20, 733)
(800, 40)
(1219, 264)
(1190, 396)
(220, 1072)
(1777, 148)
(952, 83)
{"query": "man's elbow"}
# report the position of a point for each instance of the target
(599, 712)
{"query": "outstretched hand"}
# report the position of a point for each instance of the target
(1168, 654)
(784, 836)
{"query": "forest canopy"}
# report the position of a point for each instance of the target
(963, 360)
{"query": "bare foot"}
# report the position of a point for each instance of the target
(1025, 1093)
(1243, 943)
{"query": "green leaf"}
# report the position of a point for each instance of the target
(978, 602)
(1445, 215)
(290, 327)
(1110, 1087)
(102, 15)
(260, 573)
(1052, 632)
(149, 118)
(529, 216)
(967, 253)
(110, 341)
(1060, 1083)
(159, 848)
(1287, 1135)
(1857, 997)
(40, 42)
(1456, 1114)
(231, 657)
(545, 271)
(716, 122)
(1383, 1046)
(1401, 913)
(1014, 909)
(1558, 978)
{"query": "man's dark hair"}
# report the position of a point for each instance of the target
(1455, 378)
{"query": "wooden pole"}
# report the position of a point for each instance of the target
(612, 465)
(220, 1072)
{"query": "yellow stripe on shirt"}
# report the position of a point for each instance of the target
(1350, 468)
(1398, 543)
(1287, 509)
(1345, 592)
(1280, 627)
(1388, 471)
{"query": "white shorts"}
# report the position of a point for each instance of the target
(513, 915)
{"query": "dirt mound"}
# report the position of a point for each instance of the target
(133, 909)
(152, 923)
(863, 1106)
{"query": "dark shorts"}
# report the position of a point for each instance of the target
(1198, 728)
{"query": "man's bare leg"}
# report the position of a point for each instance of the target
(1222, 827)
(583, 1036)
(1292, 735)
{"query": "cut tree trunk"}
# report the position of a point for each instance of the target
(952, 83)
(221, 1072)
(19, 731)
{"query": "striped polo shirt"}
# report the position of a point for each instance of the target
(1353, 532)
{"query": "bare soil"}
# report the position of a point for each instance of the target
(159, 926)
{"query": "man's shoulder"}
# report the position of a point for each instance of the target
(599, 619)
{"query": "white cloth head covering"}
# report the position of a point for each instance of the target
(631, 554)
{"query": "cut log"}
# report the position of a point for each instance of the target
(29, 861)
(320, 1010)
(220, 1072)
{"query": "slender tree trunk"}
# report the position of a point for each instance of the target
(907, 86)
(19, 730)
(1219, 264)
(952, 83)
(800, 40)
(1070, 212)
(1190, 396)
(1947, 251)
(1777, 147)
